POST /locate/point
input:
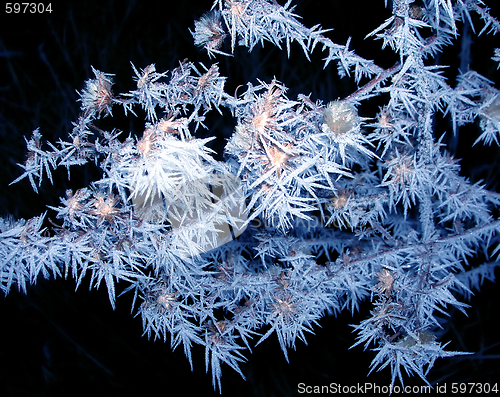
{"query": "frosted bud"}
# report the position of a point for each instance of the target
(492, 111)
(97, 96)
(242, 138)
(209, 31)
(417, 12)
(341, 118)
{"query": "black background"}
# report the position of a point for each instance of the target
(59, 342)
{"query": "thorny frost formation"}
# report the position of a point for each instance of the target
(378, 199)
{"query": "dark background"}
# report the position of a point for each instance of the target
(59, 342)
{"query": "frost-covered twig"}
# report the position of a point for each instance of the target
(313, 209)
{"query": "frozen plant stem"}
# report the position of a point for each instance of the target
(216, 251)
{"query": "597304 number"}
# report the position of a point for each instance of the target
(472, 387)
(27, 8)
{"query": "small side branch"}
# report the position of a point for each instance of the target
(371, 84)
